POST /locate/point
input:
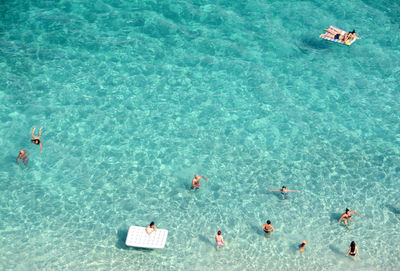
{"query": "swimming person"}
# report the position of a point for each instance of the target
(151, 228)
(23, 155)
(36, 139)
(284, 191)
(268, 228)
(347, 216)
(219, 239)
(303, 245)
(196, 181)
(353, 250)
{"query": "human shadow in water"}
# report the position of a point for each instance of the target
(205, 240)
(393, 209)
(310, 44)
(257, 230)
(335, 250)
(121, 235)
(335, 217)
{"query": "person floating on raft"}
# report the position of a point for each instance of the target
(337, 35)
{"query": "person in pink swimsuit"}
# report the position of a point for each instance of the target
(23, 155)
(219, 239)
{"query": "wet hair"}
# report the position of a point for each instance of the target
(151, 224)
(283, 187)
(268, 222)
(36, 141)
(219, 232)
(347, 210)
(352, 246)
(302, 244)
(353, 32)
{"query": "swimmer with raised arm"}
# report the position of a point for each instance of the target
(151, 228)
(284, 191)
(36, 139)
(219, 239)
(347, 216)
(23, 155)
(196, 181)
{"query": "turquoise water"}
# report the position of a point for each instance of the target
(134, 97)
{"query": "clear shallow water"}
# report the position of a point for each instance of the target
(134, 98)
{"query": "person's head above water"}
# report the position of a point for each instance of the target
(36, 141)
(347, 210)
(219, 232)
(353, 32)
(268, 222)
(283, 187)
(151, 224)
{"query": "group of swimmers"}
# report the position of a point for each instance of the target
(268, 228)
(23, 154)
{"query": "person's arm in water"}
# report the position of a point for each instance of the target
(357, 251)
(19, 156)
(340, 219)
(41, 147)
(263, 227)
(354, 212)
(293, 190)
(275, 190)
(348, 252)
(203, 178)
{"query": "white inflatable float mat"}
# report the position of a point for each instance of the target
(138, 237)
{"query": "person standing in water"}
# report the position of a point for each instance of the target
(353, 250)
(196, 181)
(23, 155)
(219, 239)
(347, 216)
(303, 245)
(268, 228)
(284, 192)
(36, 139)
